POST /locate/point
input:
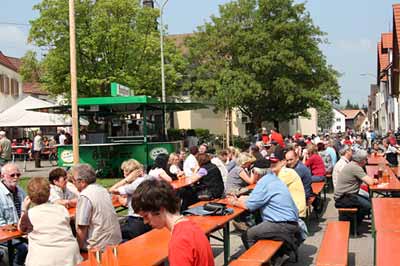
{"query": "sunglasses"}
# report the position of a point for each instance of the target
(15, 175)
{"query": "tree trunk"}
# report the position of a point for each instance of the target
(276, 125)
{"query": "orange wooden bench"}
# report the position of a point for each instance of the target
(334, 249)
(318, 187)
(353, 213)
(258, 254)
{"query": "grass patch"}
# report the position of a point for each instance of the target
(105, 182)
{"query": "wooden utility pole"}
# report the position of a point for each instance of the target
(74, 90)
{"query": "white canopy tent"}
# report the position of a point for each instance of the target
(17, 116)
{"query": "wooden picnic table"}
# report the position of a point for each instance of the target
(115, 202)
(151, 248)
(387, 248)
(182, 182)
(392, 186)
(376, 159)
(386, 214)
(7, 235)
(396, 170)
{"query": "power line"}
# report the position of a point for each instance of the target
(14, 23)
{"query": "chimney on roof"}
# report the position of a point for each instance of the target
(148, 3)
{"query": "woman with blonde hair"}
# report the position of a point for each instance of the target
(48, 228)
(233, 153)
(173, 165)
(239, 176)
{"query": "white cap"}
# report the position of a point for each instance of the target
(2, 133)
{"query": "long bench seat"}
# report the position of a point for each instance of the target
(258, 254)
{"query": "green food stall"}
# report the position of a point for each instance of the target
(120, 128)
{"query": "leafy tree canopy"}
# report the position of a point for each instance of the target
(326, 116)
(263, 57)
(350, 105)
(117, 41)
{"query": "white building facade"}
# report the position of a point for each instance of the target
(339, 122)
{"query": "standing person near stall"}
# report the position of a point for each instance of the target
(37, 148)
(5, 149)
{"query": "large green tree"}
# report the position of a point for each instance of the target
(326, 116)
(264, 58)
(117, 40)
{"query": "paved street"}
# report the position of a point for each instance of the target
(360, 248)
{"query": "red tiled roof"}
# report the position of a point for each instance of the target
(396, 18)
(383, 60)
(15, 61)
(33, 88)
(387, 40)
(351, 114)
(6, 62)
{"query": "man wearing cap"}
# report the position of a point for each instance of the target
(5, 149)
(278, 212)
(348, 185)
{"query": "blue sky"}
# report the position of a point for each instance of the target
(353, 28)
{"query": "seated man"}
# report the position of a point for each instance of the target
(348, 185)
(158, 204)
(278, 212)
(59, 193)
(11, 198)
(96, 220)
(294, 162)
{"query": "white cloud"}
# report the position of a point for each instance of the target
(13, 40)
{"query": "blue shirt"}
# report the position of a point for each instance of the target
(8, 212)
(305, 175)
(273, 198)
(331, 151)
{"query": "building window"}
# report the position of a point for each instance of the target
(14, 87)
(338, 119)
(6, 85)
(339, 128)
(2, 83)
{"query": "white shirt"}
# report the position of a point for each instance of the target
(37, 143)
(189, 164)
(56, 193)
(221, 166)
(337, 169)
(62, 139)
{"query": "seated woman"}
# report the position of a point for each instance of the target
(48, 227)
(59, 192)
(313, 160)
(134, 225)
(239, 176)
(173, 166)
(210, 184)
(160, 166)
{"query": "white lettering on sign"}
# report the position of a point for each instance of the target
(67, 156)
(156, 151)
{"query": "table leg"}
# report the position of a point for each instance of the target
(10, 252)
(227, 242)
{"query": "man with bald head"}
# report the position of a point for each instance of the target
(292, 161)
(11, 198)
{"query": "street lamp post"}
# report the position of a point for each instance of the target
(161, 6)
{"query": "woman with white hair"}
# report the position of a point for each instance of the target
(239, 176)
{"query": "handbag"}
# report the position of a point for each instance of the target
(215, 208)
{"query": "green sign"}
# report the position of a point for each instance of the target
(120, 90)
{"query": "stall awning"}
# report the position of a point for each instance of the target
(121, 104)
(19, 115)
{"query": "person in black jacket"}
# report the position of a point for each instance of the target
(210, 184)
